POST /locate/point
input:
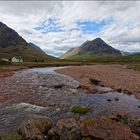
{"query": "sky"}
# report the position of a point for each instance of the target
(57, 26)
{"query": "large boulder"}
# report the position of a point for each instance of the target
(35, 127)
(65, 129)
(106, 129)
(132, 122)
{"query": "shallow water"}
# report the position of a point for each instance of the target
(102, 88)
(46, 70)
(56, 103)
(101, 106)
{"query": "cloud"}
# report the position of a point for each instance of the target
(57, 26)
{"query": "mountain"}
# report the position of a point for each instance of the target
(124, 53)
(12, 44)
(36, 47)
(96, 47)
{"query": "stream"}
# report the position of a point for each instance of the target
(43, 91)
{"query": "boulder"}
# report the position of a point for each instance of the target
(65, 129)
(106, 129)
(35, 127)
(132, 122)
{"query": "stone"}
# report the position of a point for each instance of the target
(35, 127)
(106, 129)
(116, 99)
(119, 114)
(65, 129)
(109, 100)
(132, 122)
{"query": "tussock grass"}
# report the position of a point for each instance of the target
(80, 109)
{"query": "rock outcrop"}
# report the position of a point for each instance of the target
(65, 129)
(106, 129)
(35, 127)
(42, 128)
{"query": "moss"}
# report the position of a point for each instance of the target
(104, 118)
(87, 138)
(89, 121)
(80, 109)
(13, 136)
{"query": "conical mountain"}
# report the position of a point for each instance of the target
(96, 47)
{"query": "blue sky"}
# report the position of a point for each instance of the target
(57, 26)
(88, 27)
(50, 25)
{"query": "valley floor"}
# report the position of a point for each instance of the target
(119, 77)
(44, 91)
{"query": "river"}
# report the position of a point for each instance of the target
(43, 91)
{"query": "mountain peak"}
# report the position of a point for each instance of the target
(12, 44)
(94, 47)
(98, 39)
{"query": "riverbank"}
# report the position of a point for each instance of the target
(118, 77)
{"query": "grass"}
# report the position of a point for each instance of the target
(13, 136)
(94, 58)
(134, 67)
(24, 65)
(80, 109)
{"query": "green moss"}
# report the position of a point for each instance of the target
(13, 136)
(80, 109)
(89, 121)
(87, 138)
(104, 118)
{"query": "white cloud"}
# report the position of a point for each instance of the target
(123, 32)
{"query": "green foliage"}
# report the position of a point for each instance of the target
(80, 109)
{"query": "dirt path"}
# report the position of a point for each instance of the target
(115, 76)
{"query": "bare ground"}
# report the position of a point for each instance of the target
(115, 76)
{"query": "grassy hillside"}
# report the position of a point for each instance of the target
(12, 44)
(93, 58)
(26, 52)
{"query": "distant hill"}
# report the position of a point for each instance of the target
(96, 47)
(12, 44)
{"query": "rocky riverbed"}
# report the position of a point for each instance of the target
(43, 91)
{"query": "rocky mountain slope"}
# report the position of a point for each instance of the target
(96, 47)
(12, 44)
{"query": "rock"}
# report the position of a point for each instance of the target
(34, 127)
(132, 122)
(120, 114)
(109, 100)
(116, 99)
(113, 117)
(106, 129)
(65, 129)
